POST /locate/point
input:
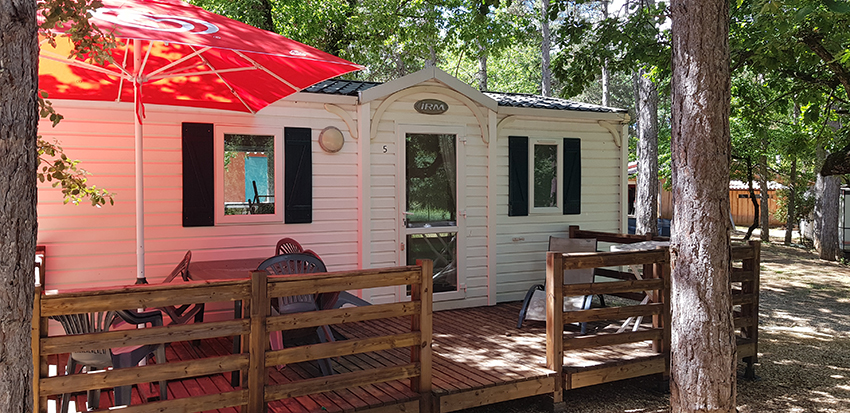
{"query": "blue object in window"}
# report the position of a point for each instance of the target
(256, 170)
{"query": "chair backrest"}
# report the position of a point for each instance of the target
(182, 269)
(325, 301)
(74, 324)
(287, 246)
(296, 263)
(562, 244)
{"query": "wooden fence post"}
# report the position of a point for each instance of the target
(259, 308)
(423, 323)
(667, 317)
(555, 321)
(40, 364)
(751, 311)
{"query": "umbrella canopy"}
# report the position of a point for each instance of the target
(173, 53)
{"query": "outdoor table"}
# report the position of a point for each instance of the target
(638, 246)
(220, 270)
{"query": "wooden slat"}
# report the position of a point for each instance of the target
(610, 237)
(341, 316)
(612, 313)
(599, 340)
(405, 407)
(741, 275)
(350, 280)
(340, 348)
(612, 287)
(555, 321)
(340, 381)
(423, 324)
(150, 373)
(257, 341)
(496, 394)
(145, 336)
(617, 372)
(742, 252)
(741, 322)
(580, 260)
(143, 296)
(746, 349)
(742, 299)
(191, 404)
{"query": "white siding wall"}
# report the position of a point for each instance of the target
(521, 241)
(386, 184)
(92, 247)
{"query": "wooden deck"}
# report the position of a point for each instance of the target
(479, 358)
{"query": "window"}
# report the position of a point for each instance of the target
(248, 170)
(544, 176)
(249, 174)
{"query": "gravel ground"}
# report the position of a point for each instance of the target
(804, 348)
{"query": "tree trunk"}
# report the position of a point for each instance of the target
(646, 202)
(482, 66)
(545, 49)
(763, 196)
(825, 231)
(18, 129)
(606, 78)
(791, 203)
(753, 198)
(703, 370)
(646, 205)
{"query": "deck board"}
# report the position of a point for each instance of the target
(479, 357)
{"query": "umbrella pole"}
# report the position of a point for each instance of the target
(140, 171)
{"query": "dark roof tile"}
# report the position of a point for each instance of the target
(519, 100)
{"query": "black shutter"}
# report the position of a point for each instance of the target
(518, 176)
(198, 175)
(572, 176)
(298, 175)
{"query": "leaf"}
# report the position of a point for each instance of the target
(837, 6)
(803, 13)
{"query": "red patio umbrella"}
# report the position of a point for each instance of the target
(173, 53)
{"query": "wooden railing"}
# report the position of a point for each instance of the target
(655, 284)
(255, 293)
(746, 264)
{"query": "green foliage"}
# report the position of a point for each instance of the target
(92, 44)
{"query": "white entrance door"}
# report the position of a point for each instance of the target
(432, 207)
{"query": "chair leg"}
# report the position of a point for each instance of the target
(525, 302)
(163, 384)
(324, 337)
(66, 397)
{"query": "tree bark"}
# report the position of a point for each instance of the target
(825, 231)
(606, 80)
(646, 205)
(545, 51)
(18, 129)
(763, 196)
(646, 202)
(703, 371)
(791, 206)
(482, 66)
(753, 199)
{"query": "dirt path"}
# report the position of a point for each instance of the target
(804, 348)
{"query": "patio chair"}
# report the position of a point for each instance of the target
(535, 298)
(288, 246)
(325, 301)
(116, 358)
(297, 263)
(187, 312)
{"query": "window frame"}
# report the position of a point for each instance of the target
(220, 217)
(559, 173)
